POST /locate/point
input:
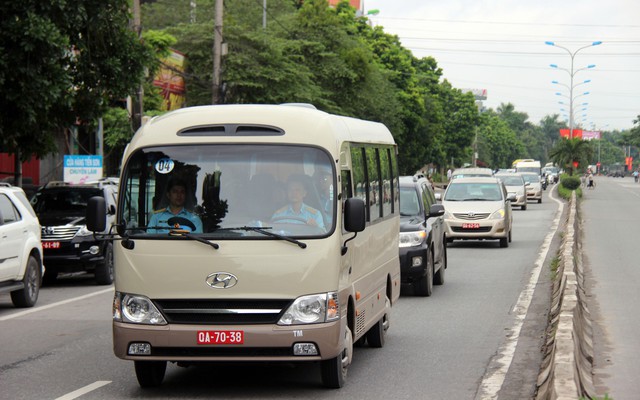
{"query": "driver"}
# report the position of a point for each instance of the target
(300, 212)
(175, 215)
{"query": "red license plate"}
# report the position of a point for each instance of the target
(220, 337)
(473, 225)
(50, 245)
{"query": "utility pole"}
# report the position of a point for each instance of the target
(136, 102)
(217, 52)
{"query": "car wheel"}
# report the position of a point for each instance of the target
(524, 207)
(334, 371)
(377, 333)
(150, 373)
(28, 296)
(539, 200)
(504, 242)
(424, 285)
(509, 236)
(104, 270)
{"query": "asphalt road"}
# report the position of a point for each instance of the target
(611, 228)
(478, 336)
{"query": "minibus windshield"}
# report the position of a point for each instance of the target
(221, 190)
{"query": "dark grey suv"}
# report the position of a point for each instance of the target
(67, 244)
(423, 250)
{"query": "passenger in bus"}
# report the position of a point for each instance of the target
(296, 211)
(175, 216)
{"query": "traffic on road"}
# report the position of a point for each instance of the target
(478, 335)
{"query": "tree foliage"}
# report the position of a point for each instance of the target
(61, 63)
(568, 151)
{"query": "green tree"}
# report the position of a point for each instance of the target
(568, 151)
(62, 62)
(498, 145)
(530, 135)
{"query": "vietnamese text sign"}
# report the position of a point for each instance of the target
(80, 169)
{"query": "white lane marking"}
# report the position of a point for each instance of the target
(499, 365)
(52, 305)
(82, 391)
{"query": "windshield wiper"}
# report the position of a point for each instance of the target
(267, 233)
(179, 232)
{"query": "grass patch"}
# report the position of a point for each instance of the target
(566, 193)
(555, 263)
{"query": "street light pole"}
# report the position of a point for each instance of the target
(571, 74)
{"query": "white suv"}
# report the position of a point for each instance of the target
(21, 267)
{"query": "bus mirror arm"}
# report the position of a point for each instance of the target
(344, 245)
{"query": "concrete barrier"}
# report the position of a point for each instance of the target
(566, 371)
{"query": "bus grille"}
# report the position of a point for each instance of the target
(214, 312)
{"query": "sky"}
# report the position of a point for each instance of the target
(499, 45)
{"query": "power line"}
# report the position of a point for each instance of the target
(518, 23)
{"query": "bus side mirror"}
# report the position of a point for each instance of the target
(354, 215)
(96, 214)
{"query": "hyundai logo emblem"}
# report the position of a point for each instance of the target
(221, 280)
(472, 214)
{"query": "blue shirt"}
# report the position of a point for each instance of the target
(306, 213)
(161, 218)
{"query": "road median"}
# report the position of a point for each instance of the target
(566, 371)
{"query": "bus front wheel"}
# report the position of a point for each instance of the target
(334, 371)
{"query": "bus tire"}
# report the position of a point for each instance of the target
(150, 373)
(334, 370)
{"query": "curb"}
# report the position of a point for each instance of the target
(566, 371)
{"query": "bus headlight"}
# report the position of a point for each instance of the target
(136, 310)
(312, 309)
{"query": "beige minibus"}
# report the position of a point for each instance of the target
(251, 233)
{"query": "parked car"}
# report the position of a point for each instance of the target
(479, 209)
(423, 249)
(21, 265)
(534, 187)
(515, 184)
(471, 172)
(68, 245)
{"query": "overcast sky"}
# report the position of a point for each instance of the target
(499, 45)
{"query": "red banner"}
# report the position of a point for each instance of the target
(577, 133)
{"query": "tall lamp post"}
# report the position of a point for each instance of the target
(571, 74)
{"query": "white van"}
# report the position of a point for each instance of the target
(529, 165)
(286, 249)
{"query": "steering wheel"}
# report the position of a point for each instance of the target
(180, 223)
(289, 218)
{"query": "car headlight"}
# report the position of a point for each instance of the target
(498, 214)
(136, 310)
(312, 309)
(83, 231)
(411, 239)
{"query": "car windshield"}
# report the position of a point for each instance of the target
(222, 191)
(473, 191)
(511, 180)
(68, 200)
(409, 201)
(530, 178)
